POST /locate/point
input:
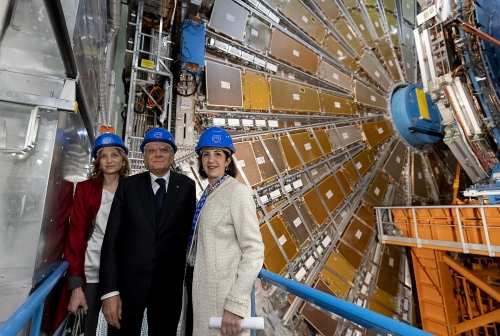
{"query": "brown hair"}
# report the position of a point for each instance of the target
(231, 170)
(96, 171)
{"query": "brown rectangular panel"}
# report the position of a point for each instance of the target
(357, 235)
(331, 193)
(287, 49)
(304, 19)
(392, 23)
(345, 30)
(362, 162)
(352, 257)
(368, 96)
(265, 165)
(322, 286)
(295, 225)
(376, 22)
(419, 186)
(378, 308)
(255, 92)
(305, 144)
(339, 265)
(287, 96)
(388, 276)
(309, 221)
(379, 186)
(385, 50)
(318, 172)
(332, 104)
(223, 85)
(344, 136)
(370, 202)
(323, 140)
(343, 182)
(375, 70)
(390, 5)
(395, 164)
(385, 299)
(245, 159)
(333, 75)
(437, 173)
(315, 207)
(366, 215)
(377, 131)
(336, 284)
(329, 8)
(258, 34)
(273, 258)
(320, 321)
(361, 25)
(229, 18)
(333, 47)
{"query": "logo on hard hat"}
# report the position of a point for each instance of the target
(216, 138)
(157, 135)
(106, 140)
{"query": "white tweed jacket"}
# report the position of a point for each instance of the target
(229, 255)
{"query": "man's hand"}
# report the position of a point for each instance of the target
(76, 300)
(112, 310)
(231, 324)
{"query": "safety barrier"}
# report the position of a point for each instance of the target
(32, 308)
(364, 317)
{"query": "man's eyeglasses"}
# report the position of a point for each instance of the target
(163, 150)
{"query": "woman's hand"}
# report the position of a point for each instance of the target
(231, 324)
(76, 300)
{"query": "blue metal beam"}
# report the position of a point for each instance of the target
(364, 317)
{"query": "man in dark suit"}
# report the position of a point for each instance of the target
(144, 249)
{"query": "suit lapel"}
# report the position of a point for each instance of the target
(171, 197)
(146, 195)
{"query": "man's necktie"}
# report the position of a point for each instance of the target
(160, 194)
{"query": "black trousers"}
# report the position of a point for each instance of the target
(94, 303)
(164, 310)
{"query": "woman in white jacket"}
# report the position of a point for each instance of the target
(227, 250)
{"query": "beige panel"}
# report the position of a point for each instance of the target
(366, 95)
(394, 165)
(376, 22)
(332, 104)
(329, 8)
(419, 186)
(333, 75)
(255, 92)
(377, 131)
(407, 35)
(379, 186)
(375, 70)
(361, 25)
(287, 96)
(409, 10)
(386, 51)
(392, 23)
(343, 136)
(319, 171)
(409, 63)
(338, 52)
(287, 49)
(304, 19)
(345, 30)
(390, 5)
(246, 161)
(273, 258)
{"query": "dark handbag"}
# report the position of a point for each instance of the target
(74, 324)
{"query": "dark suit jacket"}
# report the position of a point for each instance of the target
(136, 249)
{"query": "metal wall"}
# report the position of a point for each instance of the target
(36, 192)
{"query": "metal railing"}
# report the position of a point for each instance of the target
(32, 308)
(378, 323)
(441, 223)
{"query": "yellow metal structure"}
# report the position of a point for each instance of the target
(422, 104)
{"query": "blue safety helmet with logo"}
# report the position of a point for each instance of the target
(158, 134)
(108, 140)
(215, 137)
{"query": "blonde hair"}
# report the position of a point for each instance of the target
(96, 171)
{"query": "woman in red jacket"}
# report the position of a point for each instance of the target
(88, 219)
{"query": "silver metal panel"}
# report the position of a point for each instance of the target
(409, 63)
(409, 10)
(258, 34)
(407, 36)
(395, 164)
(223, 85)
(375, 70)
(333, 75)
(344, 136)
(368, 96)
(35, 198)
(229, 18)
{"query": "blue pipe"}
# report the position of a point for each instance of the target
(33, 304)
(364, 317)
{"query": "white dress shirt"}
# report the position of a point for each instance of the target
(155, 187)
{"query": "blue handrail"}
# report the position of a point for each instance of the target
(33, 306)
(364, 317)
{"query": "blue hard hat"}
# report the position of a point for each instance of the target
(108, 140)
(215, 137)
(158, 134)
